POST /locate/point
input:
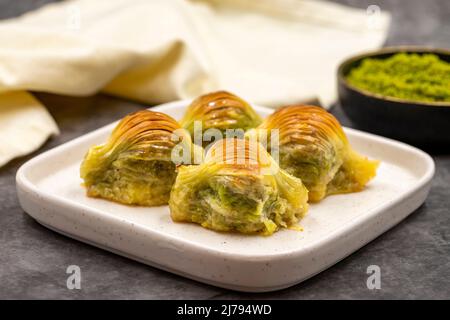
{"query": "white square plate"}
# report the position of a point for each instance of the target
(49, 190)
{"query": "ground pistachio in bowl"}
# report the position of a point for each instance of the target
(408, 76)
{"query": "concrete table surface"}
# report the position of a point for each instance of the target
(414, 256)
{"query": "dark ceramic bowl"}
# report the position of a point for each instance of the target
(424, 124)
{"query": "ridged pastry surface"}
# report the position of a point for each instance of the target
(238, 188)
(135, 165)
(314, 148)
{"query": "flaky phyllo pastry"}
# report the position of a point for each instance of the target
(239, 187)
(212, 114)
(135, 165)
(314, 148)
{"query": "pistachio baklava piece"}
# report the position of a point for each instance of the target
(238, 188)
(136, 165)
(313, 147)
(209, 117)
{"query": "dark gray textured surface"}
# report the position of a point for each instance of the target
(414, 256)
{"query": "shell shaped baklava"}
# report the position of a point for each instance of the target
(135, 166)
(238, 188)
(221, 111)
(313, 147)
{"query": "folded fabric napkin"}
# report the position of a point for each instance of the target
(270, 52)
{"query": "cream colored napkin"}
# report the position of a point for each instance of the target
(24, 125)
(270, 52)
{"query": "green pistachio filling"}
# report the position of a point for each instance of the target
(409, 76)
(133, 181)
